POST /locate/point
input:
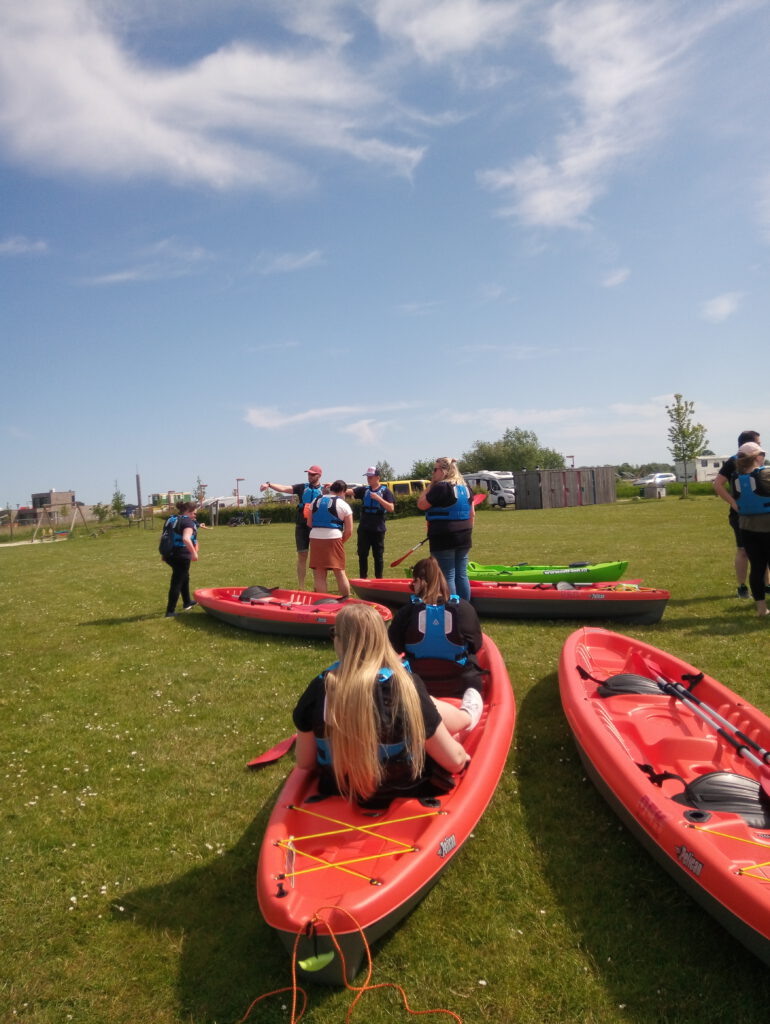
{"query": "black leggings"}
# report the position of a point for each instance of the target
(374, 541)
(180, 583)
(757, 547)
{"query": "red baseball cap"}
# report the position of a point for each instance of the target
(316, 470)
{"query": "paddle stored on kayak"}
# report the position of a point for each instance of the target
(524, 573)
(684, 763)
(627, 602)
(327, 865)
(271, 610)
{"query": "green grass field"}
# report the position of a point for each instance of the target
(131, 828)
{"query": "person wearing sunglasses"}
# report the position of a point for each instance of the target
(450, 513)
(439, 633)
(368, 726)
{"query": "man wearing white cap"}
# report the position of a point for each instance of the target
(377, 499)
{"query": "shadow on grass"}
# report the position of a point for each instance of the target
(122, 620)
(662, 956)
(228, 955)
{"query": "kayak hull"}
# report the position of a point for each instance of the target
(577, 572)
(622, 602)
(719, 852)
(355, 872)
(297, 613)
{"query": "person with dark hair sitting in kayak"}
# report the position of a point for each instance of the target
(440, 633)
(368, 726)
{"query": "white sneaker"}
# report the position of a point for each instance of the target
(473, 704)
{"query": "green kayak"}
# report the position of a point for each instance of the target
(575, 572)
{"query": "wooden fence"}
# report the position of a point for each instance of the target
(564, 488)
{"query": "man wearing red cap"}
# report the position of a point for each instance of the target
(306, 495)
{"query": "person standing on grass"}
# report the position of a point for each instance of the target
(752, 492)
(376, 499)
(185, 551)
(726, 479)
(331, 525)
(306, 495)
(450, 514)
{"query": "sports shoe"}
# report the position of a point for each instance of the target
(170, 615)
(474, 705)
(743, 590)
(187, 607)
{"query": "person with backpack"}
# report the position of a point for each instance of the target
(440, 634)
(752, 496)
(331, 525)
(178, 548)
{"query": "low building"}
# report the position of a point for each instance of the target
(54, 500)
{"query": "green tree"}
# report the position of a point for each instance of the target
(118, 502)
(101, 511)
(686, 439)
(386, 471)
(421, 469)
(516, 449)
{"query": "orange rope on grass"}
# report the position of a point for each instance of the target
(366, 987)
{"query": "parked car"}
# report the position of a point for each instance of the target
(659, 479)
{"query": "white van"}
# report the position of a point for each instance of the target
(499, 485)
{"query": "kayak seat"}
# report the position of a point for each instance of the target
(251, 593)
(728, 793)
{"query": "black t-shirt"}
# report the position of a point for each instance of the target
(442, 678)
(373, 520)
(299, 490)
(180, 548)
(446, 534)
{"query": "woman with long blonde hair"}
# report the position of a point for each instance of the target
(367, 725)
(450, 513)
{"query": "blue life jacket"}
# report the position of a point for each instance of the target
(370, 506)
(749, 502)
(459, 511)
(309, 495)
(325, 512)
(179, 528)
(386, 751)
(435, 622)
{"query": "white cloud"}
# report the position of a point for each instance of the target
(166, 260)
(76, 99)
(624, 63)
(270, 418)
(366, 432)
(18, 245)
(288, 262)
(615, 277)
(438, 29)
(721, 307)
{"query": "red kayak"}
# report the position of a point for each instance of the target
(627, 601)
(330, 865)
(271, 610)
(683, 761)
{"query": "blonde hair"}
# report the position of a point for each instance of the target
(436, 587)
(352, 724)
(746, 463)
(452, 474)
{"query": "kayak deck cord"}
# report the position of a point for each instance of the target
(291, 845)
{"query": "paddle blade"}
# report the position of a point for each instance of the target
(274, 754)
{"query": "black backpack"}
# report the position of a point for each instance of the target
(166, 545)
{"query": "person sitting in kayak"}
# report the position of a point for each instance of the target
(368, 726)
(440, 633)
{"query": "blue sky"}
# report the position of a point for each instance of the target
(237, 238)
